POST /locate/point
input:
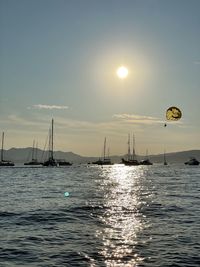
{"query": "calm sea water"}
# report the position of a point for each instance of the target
(114, 216)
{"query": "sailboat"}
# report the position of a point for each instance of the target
(192, 161)
(131, 160)
(34, 160)
(105, 160)
(146, 161)
(165, 161)
(51, 162)
(3, 162)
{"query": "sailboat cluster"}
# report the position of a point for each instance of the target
(51, 161)
(131, 157)
(130, 160)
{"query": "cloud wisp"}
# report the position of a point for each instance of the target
(41, 106)
(137, 119)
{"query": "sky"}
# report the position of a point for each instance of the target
(58, 59)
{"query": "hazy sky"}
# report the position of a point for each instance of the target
(58, 58)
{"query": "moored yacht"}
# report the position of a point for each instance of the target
(51, 162)
(146, 161)
(192, 161)
(164, 158)
(131, 159)
(34, 160)
(5, 163)
(105, 160)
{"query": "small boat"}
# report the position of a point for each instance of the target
(105, 160)
(4, 163)
(192, 161)
(131, 159)
(34, 160)
(51, 162)
(146, 161)
(165, 161)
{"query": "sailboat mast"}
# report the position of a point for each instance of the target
(49, 143)
(52, 140)
(104, 149)
(165, 162)
(33, 149)
(133, 147)
(36, 150)
(129, 150)
(147, 154)
(2, 146)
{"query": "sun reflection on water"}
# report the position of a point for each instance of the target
(122, 218)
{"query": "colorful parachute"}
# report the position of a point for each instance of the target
(173, 114)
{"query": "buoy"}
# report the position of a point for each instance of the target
(66, 194)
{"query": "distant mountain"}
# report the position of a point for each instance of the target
(21, 155)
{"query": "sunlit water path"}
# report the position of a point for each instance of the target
(114, 216)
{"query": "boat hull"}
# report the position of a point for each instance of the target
(6, 164)
(64, 163)
(132, 162)
(50, 163)
(33, 163)
(192, 162)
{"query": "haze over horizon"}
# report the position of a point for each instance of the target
(59, 60)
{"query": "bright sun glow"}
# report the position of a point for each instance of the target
(122, 72)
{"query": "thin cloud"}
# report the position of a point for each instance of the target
(137, 119)
(41, 106)
(14, 119)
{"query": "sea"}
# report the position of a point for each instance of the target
(100, 216)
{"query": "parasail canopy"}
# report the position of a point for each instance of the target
(173, 114)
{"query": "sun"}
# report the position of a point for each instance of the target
(122, 72)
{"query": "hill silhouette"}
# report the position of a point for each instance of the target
(21, 155)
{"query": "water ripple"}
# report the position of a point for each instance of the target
(115, 216)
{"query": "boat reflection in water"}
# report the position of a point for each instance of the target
(122, 219)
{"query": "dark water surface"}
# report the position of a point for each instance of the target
(114, 216)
